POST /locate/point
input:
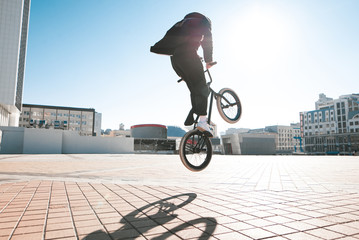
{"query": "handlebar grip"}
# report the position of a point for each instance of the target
(213, 63)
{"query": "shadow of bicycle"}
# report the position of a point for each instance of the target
(160, 212)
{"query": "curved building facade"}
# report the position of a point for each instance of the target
(149, 131)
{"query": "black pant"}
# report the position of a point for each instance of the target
(188, 66)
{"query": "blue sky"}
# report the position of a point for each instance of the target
(277, 55)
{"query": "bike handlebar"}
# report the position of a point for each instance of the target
(212, 64)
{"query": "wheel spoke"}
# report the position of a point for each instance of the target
(195, 150)
(229, 105)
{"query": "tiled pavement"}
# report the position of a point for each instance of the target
(155, 197)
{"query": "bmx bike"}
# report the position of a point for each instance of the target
(195, 149)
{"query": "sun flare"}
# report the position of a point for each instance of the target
(261, 37)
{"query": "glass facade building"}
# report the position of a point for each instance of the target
(81, 120)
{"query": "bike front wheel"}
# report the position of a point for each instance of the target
(229, 106)
(195, 150)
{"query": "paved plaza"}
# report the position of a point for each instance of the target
(140, 196)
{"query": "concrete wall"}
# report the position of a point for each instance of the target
(74, 143)
(249, 144)
(12, 140)
(17, 140)
(258, 144)
(44, 141)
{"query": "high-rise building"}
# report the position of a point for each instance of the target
(14, 22)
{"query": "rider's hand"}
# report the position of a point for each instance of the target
(210, 64)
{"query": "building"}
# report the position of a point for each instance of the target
(152, 138)
(333, 127)
(288, 139)
(249, 144)
(14, 22)
(81, 120)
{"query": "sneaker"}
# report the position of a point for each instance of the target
(205, 128)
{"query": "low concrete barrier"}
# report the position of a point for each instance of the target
(17, 140)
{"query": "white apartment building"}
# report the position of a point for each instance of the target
(333, 127)
(332, 116)
(14, 22)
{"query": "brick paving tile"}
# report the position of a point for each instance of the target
(259, 222)
(99, 236)
(279, 219)
(27, 236)
(262, 214)
(7, 225)
(59, 226)
(94, 222)
(5, 232)
(151, 231)
(29, 229)
(296, 216)
(353, 224)
(60, 233)
(324, 233)
(190, 233)
(225, 220)
(87, 217)
(218, 229)
(173, 224)
(232, 236)
(57, 220)
(239, 226)
(279, 229)
(317, 222)
(258, 233)
(343, 229)
(301, 236)
(126, 233)
(300, 225)
(348, 238)
(243, 217)
(111, 220)
(85, 230)
(28, 223)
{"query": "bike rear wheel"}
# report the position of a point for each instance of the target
(195, 150)
(229, 106)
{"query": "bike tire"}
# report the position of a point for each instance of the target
(195, 150)
(228, 105)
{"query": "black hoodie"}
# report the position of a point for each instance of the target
(187, 35)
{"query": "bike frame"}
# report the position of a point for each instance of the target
(212, 94)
